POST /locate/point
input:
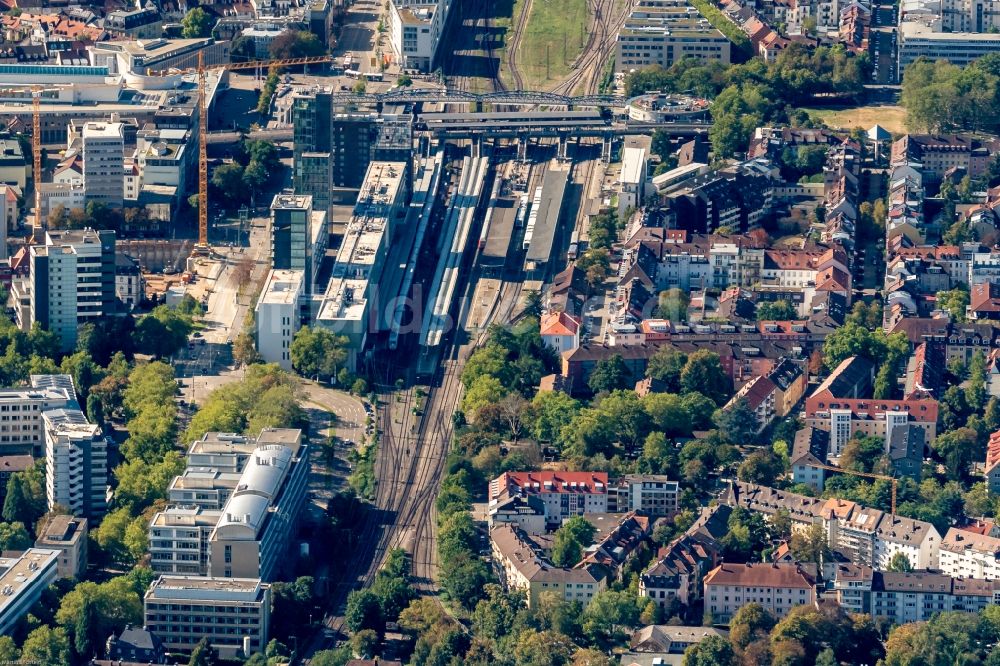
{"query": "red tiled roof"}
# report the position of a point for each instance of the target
(559, 323)
(550, 482)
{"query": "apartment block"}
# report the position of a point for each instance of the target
(808, 457)
(22, 580)
(676, 575)
(650, 494)
(520, 566)
(103, 163)
(21, 410)
(68, 535)
(230, 612)
(845, 419)
(665, 32)
(76, 463)
(966, 554)
(203, 487)
(863, 534)
(415, 31)
(221, 451)
(914, 596)
(561, 494)
(279, 316)
(71, 282)
(778, 587)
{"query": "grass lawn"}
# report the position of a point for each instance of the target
(554, 36)
(892, 118)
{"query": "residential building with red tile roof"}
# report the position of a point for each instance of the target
(991, 468)
(984, 301)
(778, 587)
(845, 418)
(560, 330)
(562, 494)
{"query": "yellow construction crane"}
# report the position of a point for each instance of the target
(36, 149)
(871, 475)
(202, 245)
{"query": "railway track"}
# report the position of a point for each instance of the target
(514, 44)
(589, 65)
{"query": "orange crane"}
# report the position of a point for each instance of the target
(202, 245)
(870, 475)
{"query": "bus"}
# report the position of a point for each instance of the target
(373, 76)
(352, 74)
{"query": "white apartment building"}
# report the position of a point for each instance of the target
(72, 281)
(969, 555)
(22, 581)
(915, 596)
(561, 494)
(663, 32)
(103, 162)
(76, 463)
(415, 31)
(278, 316)
(181, 610)
(778, 587)
(21, 411)
(233, 518)
(68, 536)
(650, 494)
(633, 180)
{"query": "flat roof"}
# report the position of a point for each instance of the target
(24, 570)
(204, 587)
(292, 202)
(553, 189)
(283, 287)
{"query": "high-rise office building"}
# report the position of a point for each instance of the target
(103, 163)
(299, 236)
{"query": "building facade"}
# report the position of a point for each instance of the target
(181, 610)
(778, 587)
(104, 163)
(23, 579)
(68, 535)
(279, 316)
(76, 463)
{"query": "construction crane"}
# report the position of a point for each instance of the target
(36, 149)
(202, 246)
(871, 475)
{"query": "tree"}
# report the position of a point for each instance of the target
(203, 654)
(609, 615)
(668, 413)
(862, 453)
(900, 562)
(228, 180)
(703, 373)
(485, 391)
(713, 651)
(46, 645)
(954, 302)
(245, 349)
(363, 612)
(738, 424)
(776, 311)
(750, 623)
(810, 545)
(84, 628)
(296, 44)
(673, 304)
(13, 536)
(957, 448)
(317, 351)
(610, 374)
(551, 411)
(243, 48)
(761, 467)
(575, 534)
(666, 366)
(197, 23)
